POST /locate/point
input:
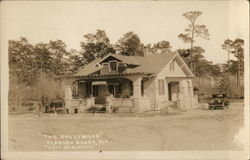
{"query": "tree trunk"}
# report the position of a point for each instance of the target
(191, 48)
(228, 58)
(238, 77)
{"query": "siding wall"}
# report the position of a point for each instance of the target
(149, 91)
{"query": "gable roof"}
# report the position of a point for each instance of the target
(151, 64)
(184, 66)
(89, 68)
(125, 59)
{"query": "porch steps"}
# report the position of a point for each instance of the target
(120, 109)
(172, 106)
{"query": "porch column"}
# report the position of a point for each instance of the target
(137, 93)
(68, 96)
(68, 92)
(137, 87)
(182, 94)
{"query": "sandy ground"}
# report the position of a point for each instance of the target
(196, 129)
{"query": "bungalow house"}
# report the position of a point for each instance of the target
(132, 84)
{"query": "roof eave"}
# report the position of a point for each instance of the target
(112, 75)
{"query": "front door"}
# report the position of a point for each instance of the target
(173, 91)
(101, 97)
(111, 89)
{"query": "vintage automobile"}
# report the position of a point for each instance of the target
(218, 101)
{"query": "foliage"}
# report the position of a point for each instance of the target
(44, 87)
(21, 61)
(96, 45)
(42, 58)
(223, 85)
(231, 67)
(129, 45)
(36, 69)
(162, 46)
(47, 86)
(59, 57)
(235, 67)
(157, 48)
(228, 47)
(238, 52)
(192, 32)
(201, 67)
(76, 61)
(235, 47)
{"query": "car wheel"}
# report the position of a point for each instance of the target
(223, 106)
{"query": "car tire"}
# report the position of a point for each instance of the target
(223, 106)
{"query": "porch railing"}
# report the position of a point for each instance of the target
(78, 104)
(120, 105)
(121, 102)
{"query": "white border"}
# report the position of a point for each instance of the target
(234, 155)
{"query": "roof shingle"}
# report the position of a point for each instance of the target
(148, 64)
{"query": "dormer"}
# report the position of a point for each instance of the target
(115, 64)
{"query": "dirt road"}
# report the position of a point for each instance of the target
(197, 129)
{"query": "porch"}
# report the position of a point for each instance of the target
(113, 94)
(180, 93)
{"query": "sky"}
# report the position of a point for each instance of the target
(152, 21)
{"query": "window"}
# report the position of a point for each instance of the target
(88, 89)
(172, 66)
(189, 87)
(118, 90)
(105, 65)
(161, 88)
(75, 89)
(95, 90)
(115, 89)
(131, 88)
(142, 88)
(121, 64)
(112, 66)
